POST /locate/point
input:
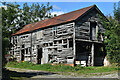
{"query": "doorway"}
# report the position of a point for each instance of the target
(22, 55)
(39, 53)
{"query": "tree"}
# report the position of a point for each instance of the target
(9, 18)
(34, 13)
(112, 40)
(9, 15)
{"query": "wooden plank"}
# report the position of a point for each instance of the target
(92, 52)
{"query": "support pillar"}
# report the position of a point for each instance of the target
(92, 52)
(31, 49)
(20, 55)
(74, 44)
(67, 43)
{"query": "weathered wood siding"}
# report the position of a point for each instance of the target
(56, 42)
(19, 43)
(84, 42)
(82, 26)
(62, 43)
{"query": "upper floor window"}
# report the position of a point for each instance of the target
(39, 34)
(93, 31)
(54, 31)
(23, 46)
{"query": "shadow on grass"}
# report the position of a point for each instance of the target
(9, 75)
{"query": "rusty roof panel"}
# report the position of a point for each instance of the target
(54, 21)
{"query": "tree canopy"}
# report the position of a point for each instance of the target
(112, 39)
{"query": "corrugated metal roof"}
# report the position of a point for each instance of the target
(54, 21)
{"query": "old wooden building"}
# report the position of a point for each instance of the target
(72, 38)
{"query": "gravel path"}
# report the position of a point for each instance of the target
(45, 74)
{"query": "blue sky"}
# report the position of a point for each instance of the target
(65, 7)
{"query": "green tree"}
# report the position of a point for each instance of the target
(112, 40)
(34, 13)
(9, 15)
(9, 19)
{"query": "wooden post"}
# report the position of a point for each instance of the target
(31, 49)
(67, 43)
(92, 51)
(74, 44)
(20, 55)
(62, 42)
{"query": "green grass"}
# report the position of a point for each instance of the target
(61, 68)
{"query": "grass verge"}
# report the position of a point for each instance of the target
(61, 68)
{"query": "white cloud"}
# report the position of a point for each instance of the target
(57, 13)
(56, 7)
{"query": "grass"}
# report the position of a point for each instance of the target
(61, 68)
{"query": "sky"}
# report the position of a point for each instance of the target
(65, 7)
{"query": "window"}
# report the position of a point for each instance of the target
(59, 50)
(64, 46)
(55, 42)
(27, 51)
(93, 32)
(45, 44)
(54, 31)
(49, 49)
(55, 49)
(70, 57)
(23, 46)
(70, 43)
(65, 41)
(60, 41)
(38, 46)
(65, 31)
(50, 44)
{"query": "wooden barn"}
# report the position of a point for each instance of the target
(72, 38)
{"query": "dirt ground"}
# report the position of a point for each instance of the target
(44, 74)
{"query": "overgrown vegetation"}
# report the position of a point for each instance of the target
(61, 68)
(112, 35)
